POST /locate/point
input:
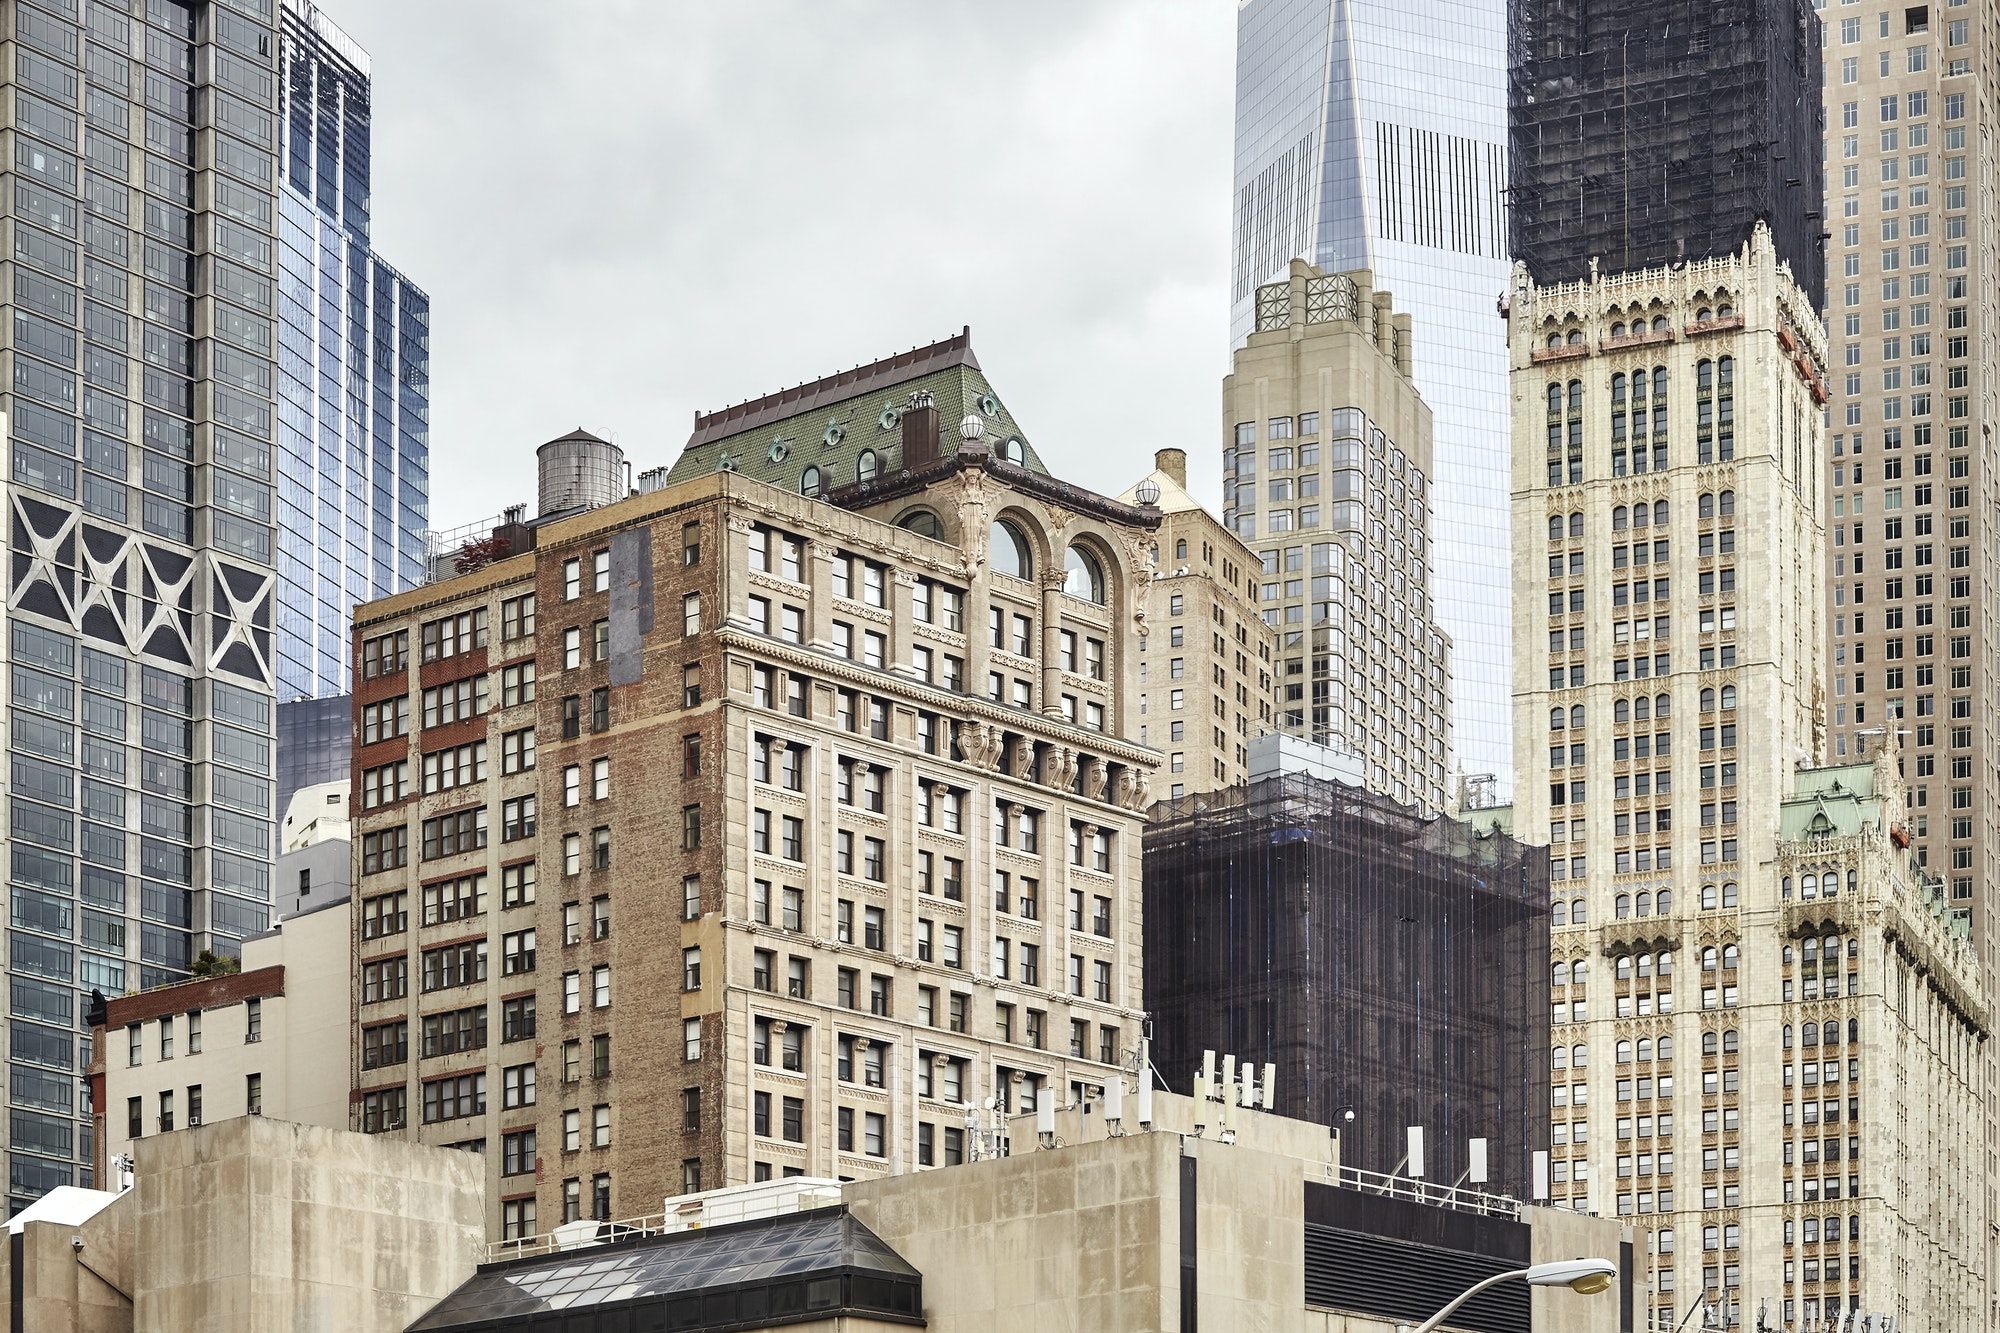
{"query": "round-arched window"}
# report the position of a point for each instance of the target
(1007, 551)
(922, 522)
(865, 466)
(1083, 576)
(809, 482)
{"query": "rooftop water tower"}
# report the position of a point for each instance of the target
(579, 471)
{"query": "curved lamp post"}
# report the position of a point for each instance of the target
(1585, 1276)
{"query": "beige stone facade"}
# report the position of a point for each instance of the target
(1205, 667)
(1326, 475)
(252, 1043)
(1667, 475)
(829, 834)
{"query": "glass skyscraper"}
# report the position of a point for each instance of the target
(139, 395)
(354, 370)
(1374, 135)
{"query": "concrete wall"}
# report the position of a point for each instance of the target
(1087, 1237)
(67, 1289)
(260, 1224)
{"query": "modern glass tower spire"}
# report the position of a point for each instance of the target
(354, 349)
(1373, 135)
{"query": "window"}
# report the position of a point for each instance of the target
(691, 615)
(691, 1039)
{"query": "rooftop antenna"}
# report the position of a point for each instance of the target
(1114, 1106)
(1146, 1094)
(1045, 1118)
(1540, 1188)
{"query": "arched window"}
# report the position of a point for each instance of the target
(1641, 514)
(1729, 893)
(1559, 1057)
(866, 466)
(1728, 696)
(1659, 513)
(1666, 1048)
(1556, 716)
(1559, 975)
(1576, 394)
(1555, 527)
(1729, 956)
(1666, 965)
(1659, 323)
(1575, 337)
(1645, 1049)
(1555, 390)
(1705, 506)
(1853, 1030)
(1621, 907)
(1645, 965)
(1576, 717)
(1726, 503)
(1701, 315)
(1808, 886)
(1576, 525)
(1708, 957)
(1724, 312)
(1809, 1035)
(1809, 951)
(1707, 700)
(1708, 1043)
(1083, 576)
(1664, 903)
(1831, 1034)
(1788, 1036)
(1576, 972)
(922, 522)
(1559, 912)
(1621, 968)
(809, 482)
(1577, 912)
(1622, 1052)
(1786, 957)
(1579, 1056)
(1618, 331)
(1663, 706)
(1642, 708)
(1007, 551)
(1620, 517)
(1729, 1041)
(1708, 898)
(1180, 549)
(1621, 710)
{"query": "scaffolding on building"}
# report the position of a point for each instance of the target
(1387, 964)
(1642, 136)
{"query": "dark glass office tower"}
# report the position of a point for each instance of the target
(354, 369)
(1644, 135)
(139, 400)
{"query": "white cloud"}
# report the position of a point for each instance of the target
(627, 212)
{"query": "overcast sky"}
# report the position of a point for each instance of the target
(625, 212)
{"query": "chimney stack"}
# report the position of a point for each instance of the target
(920, 431)
(1173, 462)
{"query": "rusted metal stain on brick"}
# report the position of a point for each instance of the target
(631, 603)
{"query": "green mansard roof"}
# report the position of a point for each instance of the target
(831, 422)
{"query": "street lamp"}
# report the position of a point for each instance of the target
(1584, 1276)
